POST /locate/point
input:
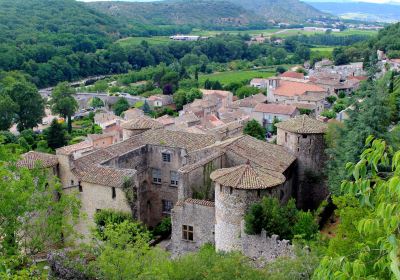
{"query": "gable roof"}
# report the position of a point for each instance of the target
(266, 155)
(34, 159)
(142, 122)
(273, 108)
(247, 177)
(67, 150)
(303, 124)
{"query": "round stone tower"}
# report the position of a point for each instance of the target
(304, 137)
(236, 189)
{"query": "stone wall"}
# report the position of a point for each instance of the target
(198, 214)
(263, 248)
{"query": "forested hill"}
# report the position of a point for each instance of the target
(33, 21)
(282, 10)
(202, 13)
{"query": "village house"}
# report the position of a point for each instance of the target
(259, 83)
(266, 114)
(160, 100)
(300, 93)
(132, 113)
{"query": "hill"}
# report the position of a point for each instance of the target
(283, 10)
(361, 10)
(202, 13)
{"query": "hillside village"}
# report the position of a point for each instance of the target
(199, 169)
(197, 140)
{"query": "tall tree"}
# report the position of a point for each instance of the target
(120, 106)
(63, 102)
(55, 135)
(26, 96)
(253, 128)
(8, 110)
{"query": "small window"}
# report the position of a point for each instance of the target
(72, 182)
(187, 232)
(167, 207)
(258, 193)
(298, 140)
(286, 136)
(230, 190)
(282, 194)
(304, 135)
(220, 188)
(80, 187)
(114, 194)
(156, 173)
(174, 178)
(166, 157)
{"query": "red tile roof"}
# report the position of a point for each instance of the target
(281, 109)
(294, 75)
(292, 88)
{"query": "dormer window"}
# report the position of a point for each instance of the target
(166, 157)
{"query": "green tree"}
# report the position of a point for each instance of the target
(121, 106)
(96, 102)
(55, 135)
(8, 110)
(246, 91)
(366, 244)
(253, 128)
(25, 97)
(63, 102)
(30, 215)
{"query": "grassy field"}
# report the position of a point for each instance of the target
(133, 41)
(325, 51)
(235, 76)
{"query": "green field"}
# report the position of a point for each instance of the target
(324, 51)
(235, 76)
(133, 41)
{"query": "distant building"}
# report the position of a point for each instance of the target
(160, 100)
(259, 83)
(266, 113)
(187, 38)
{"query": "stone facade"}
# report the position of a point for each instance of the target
(200, 215)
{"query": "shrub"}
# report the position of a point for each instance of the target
(164, 228)
(305, 227)
(329, 114)
(105, 217)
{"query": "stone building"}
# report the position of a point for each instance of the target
(203, 183)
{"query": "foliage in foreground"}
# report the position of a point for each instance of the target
(283, 220)
(366, 244)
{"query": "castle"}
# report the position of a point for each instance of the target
(205, 185)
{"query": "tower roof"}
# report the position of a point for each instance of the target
(247, 177)
(303, 124)
(33, 159)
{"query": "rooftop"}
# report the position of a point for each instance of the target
(247, 177)
(303, 124)
(67, 150)
(293, 88)
(272, 108)
(294, 75)
(34, 159)
(142, 122)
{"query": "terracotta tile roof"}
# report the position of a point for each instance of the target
(142, 122)
(266, 155)
(67, 150)
(292, 88)
(105, 176)
(251, 101)
(195, 201)
(303, 124)
(272, 108)
(247, 177)
(294, 75)
(166, 120)
(187, 118)
(94, 137)
(221, 93)
(34, 159)
(177, 139)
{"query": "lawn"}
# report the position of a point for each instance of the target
(133, 41)
(235, 76)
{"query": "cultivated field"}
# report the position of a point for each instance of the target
(235, 76)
